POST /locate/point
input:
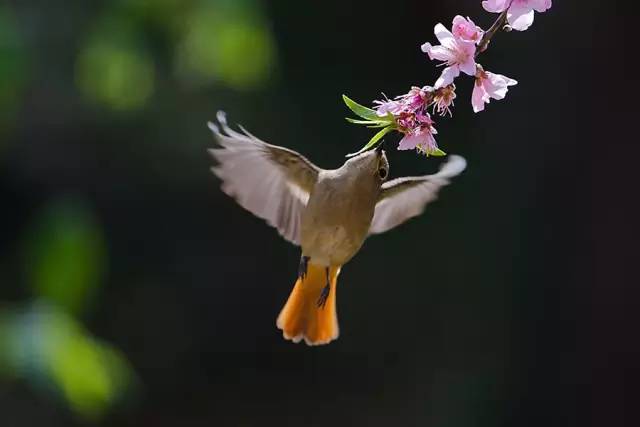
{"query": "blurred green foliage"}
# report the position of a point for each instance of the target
(209, 41)
(44, 345)
(124, 52)
(41, 341)
(114, 68)
(165, 14)
(227, 42)
(65, 255)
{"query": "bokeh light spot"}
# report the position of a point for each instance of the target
(45, 346)
(114, 71)
(245, 54)
(230, 45)
(65, 255)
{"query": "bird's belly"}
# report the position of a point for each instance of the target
(331, 245)
(336, 221)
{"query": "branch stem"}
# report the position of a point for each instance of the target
(488, 35)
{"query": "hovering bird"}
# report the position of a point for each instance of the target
(328, 213)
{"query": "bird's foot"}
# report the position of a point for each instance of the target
(303, 266)
(322, 300)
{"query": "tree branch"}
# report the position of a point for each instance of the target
(488, 35)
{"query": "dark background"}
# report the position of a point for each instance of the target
(133, 292)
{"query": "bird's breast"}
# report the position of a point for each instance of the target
(336, 221)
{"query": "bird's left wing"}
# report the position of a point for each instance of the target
(271, 182)
(404, 198)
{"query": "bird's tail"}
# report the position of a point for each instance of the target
(305, 315)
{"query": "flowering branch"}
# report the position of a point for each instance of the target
(458, 50)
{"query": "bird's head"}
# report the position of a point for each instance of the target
(371, 163)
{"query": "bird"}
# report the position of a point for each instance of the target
(328, 213)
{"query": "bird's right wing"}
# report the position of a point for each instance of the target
(271, 182)
(405, 198)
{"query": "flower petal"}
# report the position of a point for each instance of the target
(459, 20)
(447, 76)
(477, 101)
(520, 17)
(383, 108)
(465, 29)
(469, 66)
(428, 143)
(495, 6)
(472, 23)
(495, 91)
(497, 85)
(439, 52)
(444, 36)
(409, 142)
(540, 5)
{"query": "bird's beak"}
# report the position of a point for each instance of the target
(378, 150)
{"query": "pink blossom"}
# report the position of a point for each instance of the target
(487, 86)
(443, 99)
(520, 13)
(421, 140)
(417, 97)
(418, 129)
(387, 106)
(457, 54)
(411, 116)
(466, 30)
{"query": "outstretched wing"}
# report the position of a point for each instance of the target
(271, 182)
(404, 198)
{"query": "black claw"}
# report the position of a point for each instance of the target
(302, 267)
(322, 300)
(323, 296)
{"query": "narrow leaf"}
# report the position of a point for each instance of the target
(372, 142)
(382, 125)
(371, 123)
(360, 110)
(360, 122)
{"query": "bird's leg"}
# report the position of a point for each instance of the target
(325, 292)
(302, 267)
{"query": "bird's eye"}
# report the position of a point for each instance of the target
(382, 172)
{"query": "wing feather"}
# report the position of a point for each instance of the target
(405, 198)
(271, 182)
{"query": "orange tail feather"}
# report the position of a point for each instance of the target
(302, 318)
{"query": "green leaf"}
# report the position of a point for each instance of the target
(373, 140)
(381, 125)
(437, 153)
(361, 110)
(388, 118)
(371, 124)
(360, 122)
